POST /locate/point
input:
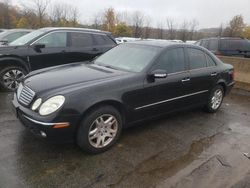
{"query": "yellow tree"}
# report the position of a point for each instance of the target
(22, 23)
(122, 30)
(109, 20)
(246, 32)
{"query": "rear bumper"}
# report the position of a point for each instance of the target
(45, 128)
(229, 87)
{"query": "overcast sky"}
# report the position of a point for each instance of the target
(209, 13)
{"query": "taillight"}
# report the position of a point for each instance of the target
(218, 53)
(232, 74)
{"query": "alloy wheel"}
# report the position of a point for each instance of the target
(12, 78)
(216, 99)
(103, 131)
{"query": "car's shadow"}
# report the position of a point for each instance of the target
(170, 136)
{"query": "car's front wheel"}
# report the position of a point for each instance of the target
(10, 77)
(99, 129)
(215, 99)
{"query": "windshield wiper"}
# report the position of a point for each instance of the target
(107, 66)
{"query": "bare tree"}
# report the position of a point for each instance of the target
(41, 8)
(220, 31)
(73, 15)
(193, 24)
(147, 28)
(58, 13)
(138, 21)
(5, 14)
(97, 21)
(171, 29)
(160, 31)
(183, 31)
(123, 17)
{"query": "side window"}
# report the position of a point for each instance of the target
(57, 39)
(205, 44)
(103, 40)
(213, 45)
(210, 61)
(81, 39)
(172, 61)
(197, 58)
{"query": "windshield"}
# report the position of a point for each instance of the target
(26, 38)
(128, 57)
(3, 34)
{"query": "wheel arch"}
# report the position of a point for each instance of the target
(223, 84)
(13, 61)
(114, 103)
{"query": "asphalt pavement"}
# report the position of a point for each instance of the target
(187, 149)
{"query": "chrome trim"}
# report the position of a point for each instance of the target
(67, 31)
(39, 122)
(168, 100)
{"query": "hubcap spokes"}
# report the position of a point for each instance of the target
(12, 78)
(217, 99)
(103, 130)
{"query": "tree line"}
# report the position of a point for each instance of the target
(136, 24)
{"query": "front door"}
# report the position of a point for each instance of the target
(166, 94)
(52, 54)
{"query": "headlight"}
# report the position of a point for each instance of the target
(36, 104)
(51, 105)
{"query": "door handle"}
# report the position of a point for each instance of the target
(95, 50)
(186, 80)
(214, 74)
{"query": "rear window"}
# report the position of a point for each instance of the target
(234, 45)
(213, 45)
(103, 40)
(197, 58)
(81, 39)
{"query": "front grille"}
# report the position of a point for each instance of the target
(25, 95)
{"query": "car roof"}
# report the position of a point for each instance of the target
(224, 38)
(162, 44)
(74, 29)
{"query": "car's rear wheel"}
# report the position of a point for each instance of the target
(215, 99)
(10, 77)
(99, 129)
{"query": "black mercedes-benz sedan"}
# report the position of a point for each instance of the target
(91, 102)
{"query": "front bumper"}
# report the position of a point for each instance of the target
(43, 127)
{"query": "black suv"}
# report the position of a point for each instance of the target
(49, 47)
(227, 46)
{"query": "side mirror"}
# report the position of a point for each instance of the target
(38, 47)
(158, 74)
(4, 41)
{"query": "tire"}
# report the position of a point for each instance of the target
(93, 135)
(12, 75)
(215, 99)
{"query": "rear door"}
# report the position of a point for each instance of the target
(203, 75)
(81, 47)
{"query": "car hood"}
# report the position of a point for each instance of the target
(69, 76)
(6, 50)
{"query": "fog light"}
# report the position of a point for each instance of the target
(43, 134)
